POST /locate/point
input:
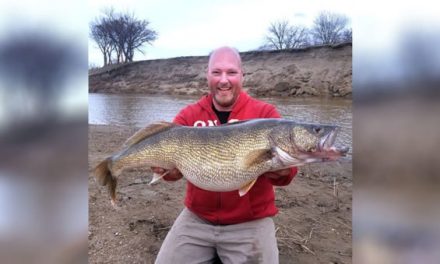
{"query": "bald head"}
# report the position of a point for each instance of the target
(225, 51)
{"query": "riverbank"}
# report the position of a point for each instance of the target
(313, 225)
(319, 71)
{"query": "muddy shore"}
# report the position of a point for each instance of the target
(313, 224)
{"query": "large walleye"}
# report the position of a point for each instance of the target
(222, 158)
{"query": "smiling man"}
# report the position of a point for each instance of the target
(225, 78)
(223, 226)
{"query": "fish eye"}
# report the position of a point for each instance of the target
(317, 130)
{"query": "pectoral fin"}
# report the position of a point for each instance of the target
(256, 157)
(244, 189)
(157, 177)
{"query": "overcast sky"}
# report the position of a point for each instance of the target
(190, 27)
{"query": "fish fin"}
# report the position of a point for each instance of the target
(245, 188)
(102, 172)
(157, 177)
(104, 177)
(148, 131)
(257, 156)
(234, 122)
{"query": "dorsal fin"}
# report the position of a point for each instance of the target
(235, 123)
(148, 131)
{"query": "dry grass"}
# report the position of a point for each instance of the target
(288, 236)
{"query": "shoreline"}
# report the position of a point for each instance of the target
(318, 72)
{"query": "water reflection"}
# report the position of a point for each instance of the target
(139, 110)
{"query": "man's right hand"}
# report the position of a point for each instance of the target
(173, 175)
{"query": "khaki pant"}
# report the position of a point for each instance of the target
(194, 240)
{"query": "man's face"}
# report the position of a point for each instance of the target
(225, 79)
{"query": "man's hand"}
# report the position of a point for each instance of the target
(275, 175)
(173, 175)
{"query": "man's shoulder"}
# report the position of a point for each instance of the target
(191, 112)
(260, 108)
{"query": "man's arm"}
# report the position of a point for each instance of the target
(281, 177)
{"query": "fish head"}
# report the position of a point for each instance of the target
(297, 144)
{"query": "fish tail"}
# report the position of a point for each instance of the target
(104, 177)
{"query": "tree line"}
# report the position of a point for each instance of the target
(328, 28)
(119, 35)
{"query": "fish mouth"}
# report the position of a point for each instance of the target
(325, 150)
(326, 147)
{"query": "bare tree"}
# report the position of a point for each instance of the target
(113, 25)
(284, 36)
(328, 27)
(137, 34)
(121, 33)
(347, 35)
(102, 38)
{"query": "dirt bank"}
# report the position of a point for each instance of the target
(313, 225)
(323, 71)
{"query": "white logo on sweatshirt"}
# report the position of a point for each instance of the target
(201, 123)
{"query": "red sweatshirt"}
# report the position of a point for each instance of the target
(229, 207)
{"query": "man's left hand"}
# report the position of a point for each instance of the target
(275, 175)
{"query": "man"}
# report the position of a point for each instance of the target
(236, 229)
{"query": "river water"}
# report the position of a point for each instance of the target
(140, 110)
